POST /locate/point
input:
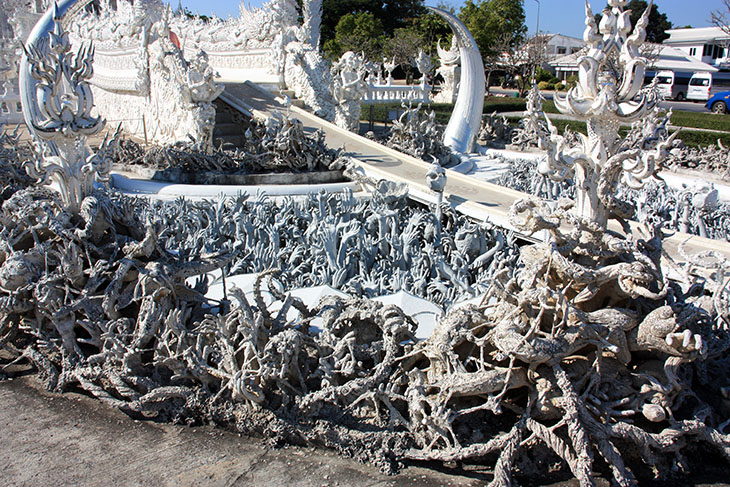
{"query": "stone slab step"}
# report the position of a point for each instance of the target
(223, 129)
(222, 116)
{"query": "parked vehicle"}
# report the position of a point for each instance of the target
(673, 85)
(719, 102)
(703, 85)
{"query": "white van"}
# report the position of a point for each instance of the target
(703, 85)
(673, 85)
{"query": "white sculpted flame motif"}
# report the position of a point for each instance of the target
(64, 95)
(64, 101)
(609, 92)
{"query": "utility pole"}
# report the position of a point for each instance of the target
(537, 32)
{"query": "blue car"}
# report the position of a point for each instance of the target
(719, 102)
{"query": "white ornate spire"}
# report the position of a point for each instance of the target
(609, 92)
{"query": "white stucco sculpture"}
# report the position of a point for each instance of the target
(463, 127)
(141, 77)
(312, 13)
(389, 67)
(57, 104)
(349, 88)
(424, 65)
(308, 75)
(450, 71)
(609, 93)
(267, 45)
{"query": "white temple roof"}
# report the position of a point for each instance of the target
(674, 59)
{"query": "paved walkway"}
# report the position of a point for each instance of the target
(70, 439)
(478, 199)
(472, 197)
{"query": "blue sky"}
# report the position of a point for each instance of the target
(556, 16)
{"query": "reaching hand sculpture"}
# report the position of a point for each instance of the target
(64, 102)
(608, 93)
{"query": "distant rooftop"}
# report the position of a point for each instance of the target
(701, 34)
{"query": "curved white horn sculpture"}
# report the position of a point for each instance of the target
(466, 118)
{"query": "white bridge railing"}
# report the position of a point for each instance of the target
(241, 65)
(393, 93)
(10, 109)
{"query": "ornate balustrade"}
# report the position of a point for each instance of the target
(238, 65)
(10, 108)
(394, 93)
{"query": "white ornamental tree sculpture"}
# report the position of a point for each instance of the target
(310, 31)
(64, 102)
(609, 93)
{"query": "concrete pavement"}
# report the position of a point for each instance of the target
(70, 439)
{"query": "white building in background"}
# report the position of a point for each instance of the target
(555, 46)
(661, 56)
(558, 45)
(706, 44)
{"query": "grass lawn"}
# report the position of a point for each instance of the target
(701, 120)
(690, 138)
(443, 111)
(679, 118)
(493, 104)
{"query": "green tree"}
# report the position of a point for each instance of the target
(492, 20)
(658, 22)
(402, 48)
(392, 14)
(359, 32)
(431, 28)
